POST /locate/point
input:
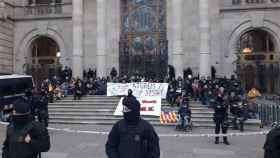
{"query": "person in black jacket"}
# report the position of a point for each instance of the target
(78, 90)
(220, 119)
(272, 143)
(25, 138)
(185, 115)
(42, 109)
(132, 137)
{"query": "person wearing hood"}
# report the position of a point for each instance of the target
(132, 137)
(220, 118)
(25, 138)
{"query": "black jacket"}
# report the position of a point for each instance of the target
(15, 147)
(138, 141)
(272, 144)
(220, 112)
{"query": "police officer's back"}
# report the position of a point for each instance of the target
(272, 143)
(132, 137)
(25, 138)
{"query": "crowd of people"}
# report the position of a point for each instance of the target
(206, 90)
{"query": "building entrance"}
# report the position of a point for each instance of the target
(44, 61)
(258, 61)
(143, 43)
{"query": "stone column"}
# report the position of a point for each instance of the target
(77, 38)
(101, 47)
(204, 68)
(177, 40)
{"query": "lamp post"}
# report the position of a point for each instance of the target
(58, 54)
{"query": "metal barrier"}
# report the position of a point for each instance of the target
(269, 112)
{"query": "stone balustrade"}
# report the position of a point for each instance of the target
(62, 10)
(248, 4)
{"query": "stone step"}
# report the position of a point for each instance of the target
(154, 123)
(112, 106)
(80, 110)
(100, 109)
(105, 116)
(92, 118)
(112, 110)
(109, 122)
(81, 114)
(85, 101)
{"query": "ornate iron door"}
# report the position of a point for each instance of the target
(143, 43)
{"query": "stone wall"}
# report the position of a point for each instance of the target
(6, 37)
(6, 46)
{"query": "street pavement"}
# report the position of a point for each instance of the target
(81, 145)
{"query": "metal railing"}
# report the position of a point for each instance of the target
(269, 111)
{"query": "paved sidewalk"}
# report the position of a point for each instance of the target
(79, 145)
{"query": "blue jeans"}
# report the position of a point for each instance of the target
(184, 122)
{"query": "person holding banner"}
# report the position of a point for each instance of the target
(132, 137)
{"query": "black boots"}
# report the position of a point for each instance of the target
(225, 140)
(216, 140)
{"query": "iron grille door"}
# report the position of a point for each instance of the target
(143, 42)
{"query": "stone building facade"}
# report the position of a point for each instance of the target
(197, 34)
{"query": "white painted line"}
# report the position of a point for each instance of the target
(68, 130)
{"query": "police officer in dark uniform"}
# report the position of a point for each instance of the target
(132, 137)
(30, 100)
(220, 119)
(42, 109)
(25, 138)
(272, 143)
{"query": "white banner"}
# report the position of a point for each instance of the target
(140, 89)
(149, 106)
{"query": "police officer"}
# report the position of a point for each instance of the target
(42, 109)
(220, 118)
(29, 99)
(25, 138)
(132, 137)
(272, 143)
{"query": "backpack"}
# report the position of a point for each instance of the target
(135, 135)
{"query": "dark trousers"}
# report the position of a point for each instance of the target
(219, 126)
(43, 117)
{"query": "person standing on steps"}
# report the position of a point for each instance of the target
(132, 137)
(220, 118)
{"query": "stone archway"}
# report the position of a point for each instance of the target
(44, 59)
(245, 26)
(254, 51)
(22, 51)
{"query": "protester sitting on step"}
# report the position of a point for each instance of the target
(184, 115)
